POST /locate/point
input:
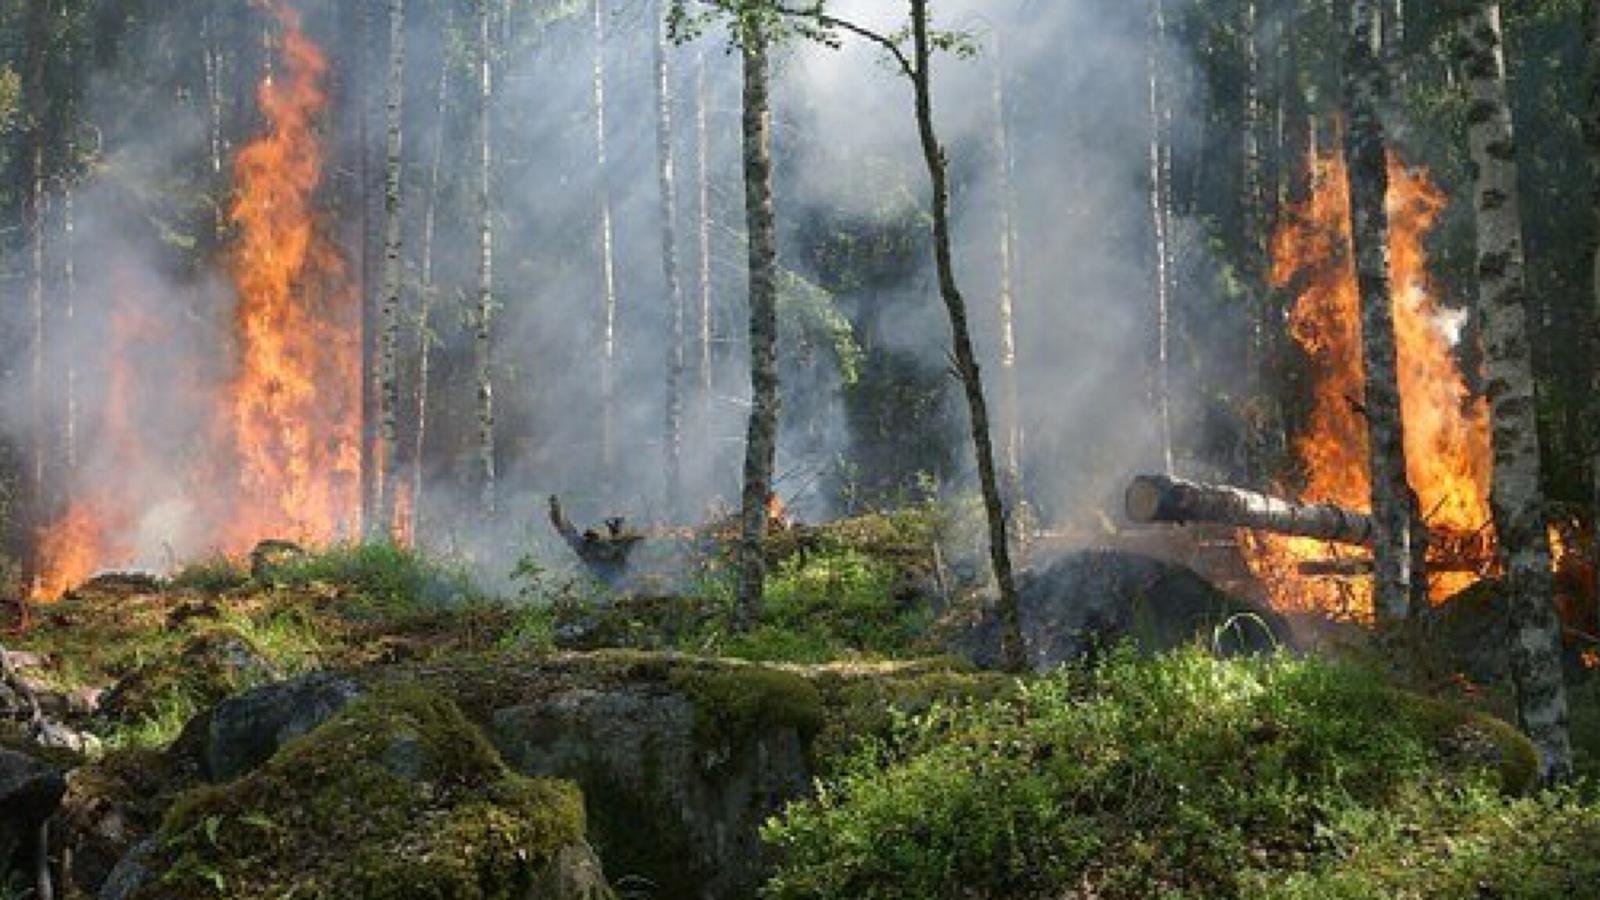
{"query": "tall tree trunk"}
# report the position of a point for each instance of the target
(1592, 130)
(702, 153)
(1255, 227)
(214, 129)
(608, 269)
(1517, 497)
(1012, 650)
(1011, 434)
(371, 238)
(69, 313)
(1393, 506)
(666, 170)
(389, 312)
(761, 445)
(1162, 385)
(36, 103)
(484, 314)
(425, 299)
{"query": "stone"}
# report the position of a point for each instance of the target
(245, 731)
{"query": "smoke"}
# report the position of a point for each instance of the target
(1074, 80)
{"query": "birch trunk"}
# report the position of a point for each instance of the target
(1516, 497)
(1011, 433)
(484, 314)
(36, 101)
(1256, 226)
(371, 238)
(608, 269)
(1160, 223)
(762, 441)
(425, 300)
(702, 140)
(389, 311)
(1393, 507)
(1592, 133)
(1012, 651)
(69, 313)
(667, 176)
(214, 141)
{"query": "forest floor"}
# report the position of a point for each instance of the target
(366, 721)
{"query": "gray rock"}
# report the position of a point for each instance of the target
(130, 874)
(1090, 600)
(666, 810)
(30, 791)
(245, 731)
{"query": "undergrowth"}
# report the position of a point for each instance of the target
(1180, 776)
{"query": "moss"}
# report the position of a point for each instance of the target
(1461, 736)
(735, 704)
(214, 664)
(863, 704)
(398, 796)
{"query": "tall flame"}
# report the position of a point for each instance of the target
(293, 409)
(281, 455)
(1448, 459)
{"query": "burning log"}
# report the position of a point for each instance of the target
(604, 553)
(1158, 498)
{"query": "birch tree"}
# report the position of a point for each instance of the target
(1005, 174)
(483, 318)
(607, 247)
(425, 299)
(1161, 226)
(672, 443)
(35, 103)
(702, 153)
(389, 310)
(1366, 157)
(1517, 500)
(761, 443)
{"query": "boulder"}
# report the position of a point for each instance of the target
(397, 795)
(245, 731)
(1090, 600)
(30, 791)
(680, 760)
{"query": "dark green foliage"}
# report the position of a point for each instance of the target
(1182, 775)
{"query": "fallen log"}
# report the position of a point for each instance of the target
(1159, 498)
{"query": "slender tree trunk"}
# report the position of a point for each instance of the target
(371, 238)
(1592, 130)
(1012, 651)
(1255, 228)
(214, 140)
(389, 312)
(1010, 391)
(608, 269)
(761, 446)
(484, 315)
(702, 153)
(425, 299)
(1393, 505)
(69, 313)
(36, 102)
(1162, 388)
(1517, 498)
(676, 352)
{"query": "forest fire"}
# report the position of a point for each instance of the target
(1446, 428)
(292, 412)
(280, 455)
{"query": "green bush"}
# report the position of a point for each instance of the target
(1174, 776)
(383, 575)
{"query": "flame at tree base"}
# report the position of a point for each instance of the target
(1448, 457)
(280, 456)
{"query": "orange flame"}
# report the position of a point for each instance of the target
(1446, 428)
(281, 456)
(293, 409)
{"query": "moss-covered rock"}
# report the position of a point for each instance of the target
(398, 796)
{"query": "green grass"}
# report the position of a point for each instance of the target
(1176, 776)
